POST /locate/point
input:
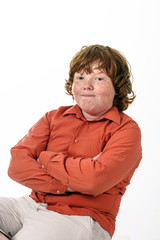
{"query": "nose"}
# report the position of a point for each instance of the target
(88, 84)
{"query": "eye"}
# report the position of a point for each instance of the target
(80, 78)
(99, 79)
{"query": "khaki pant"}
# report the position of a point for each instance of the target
(23, 219)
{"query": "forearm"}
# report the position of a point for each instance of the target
(78, 178)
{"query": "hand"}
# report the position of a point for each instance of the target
(96, 157)
(3, 237)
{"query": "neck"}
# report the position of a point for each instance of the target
(91, 117)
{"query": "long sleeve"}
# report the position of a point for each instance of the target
(120, 156)
(24, 167)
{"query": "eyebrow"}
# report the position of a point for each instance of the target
(100, 72)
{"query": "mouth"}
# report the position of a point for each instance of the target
(87, 95)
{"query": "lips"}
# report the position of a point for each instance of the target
(87, 95)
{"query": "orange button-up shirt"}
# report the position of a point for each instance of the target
(58, 153)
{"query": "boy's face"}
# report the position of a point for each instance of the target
(94, 92)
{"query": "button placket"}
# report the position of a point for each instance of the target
(76, 137)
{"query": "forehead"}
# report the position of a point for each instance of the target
(93, 67)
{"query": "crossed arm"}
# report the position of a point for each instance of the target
(92, 176)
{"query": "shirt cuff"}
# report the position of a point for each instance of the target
(44, 158)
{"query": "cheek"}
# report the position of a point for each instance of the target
(106, 90)
(75, 89)
(111, 91)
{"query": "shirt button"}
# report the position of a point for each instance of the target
(75, 140)
(42, 166)
(58, 191)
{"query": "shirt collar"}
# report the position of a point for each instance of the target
(112, 114)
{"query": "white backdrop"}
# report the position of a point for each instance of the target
(38, 40)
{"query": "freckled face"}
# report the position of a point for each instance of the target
(93, 92)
